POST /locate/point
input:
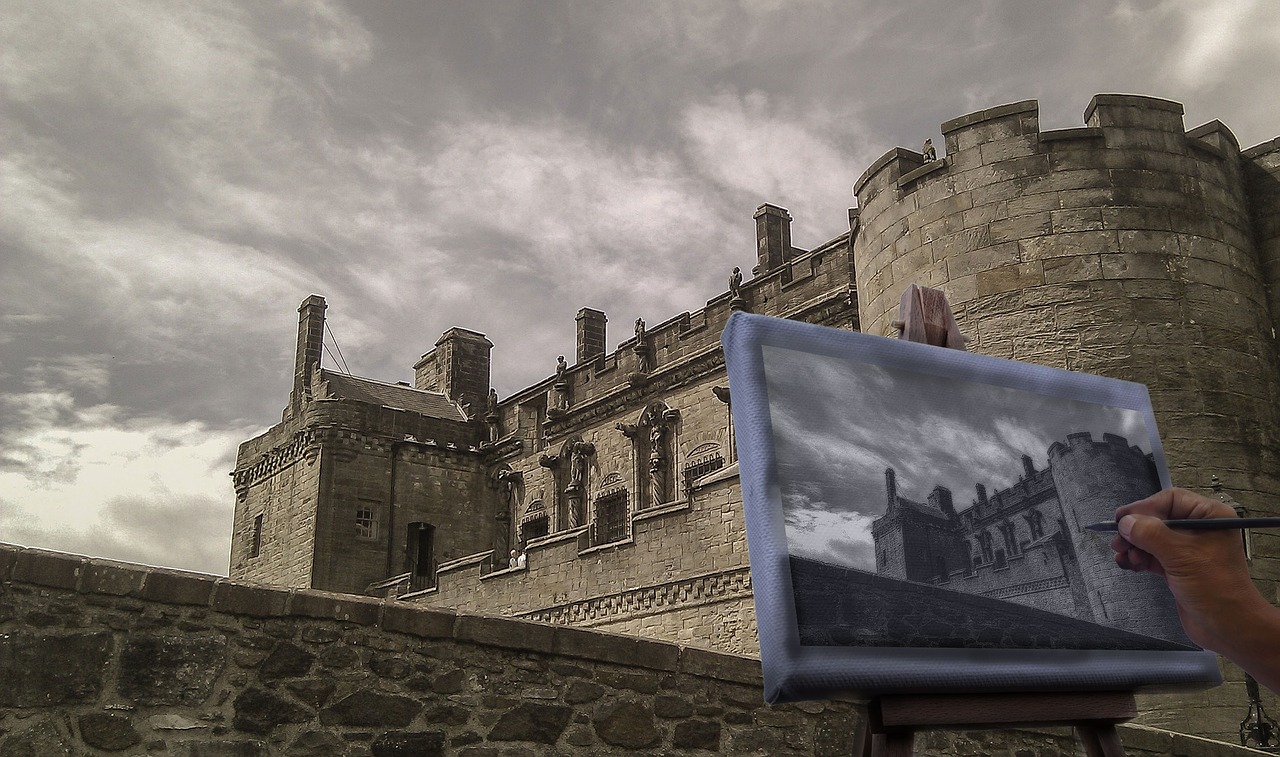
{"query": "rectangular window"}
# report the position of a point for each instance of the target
(366, 525)
(611, 517)
(255, 546)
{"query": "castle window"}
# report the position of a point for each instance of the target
(1010, 536)
(366, 525)
(1001, 562)
(611, 517)
(984, 544)
(255, 545)
(1035, 522)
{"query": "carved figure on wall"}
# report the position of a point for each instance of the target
(491, 407)
(562, 369)
(579, 451)
(735, 283)
(641, 351)
(928, 151)
(657, 481)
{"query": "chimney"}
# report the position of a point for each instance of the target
(310, 345)
(891, 486)
(773, 237)
(940, 498)
(458, 367)
(591, 324)
(982, 494)
(1028, 467)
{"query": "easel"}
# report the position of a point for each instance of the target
(890, 722)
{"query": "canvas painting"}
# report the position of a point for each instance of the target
(931, 511)
(916, 519)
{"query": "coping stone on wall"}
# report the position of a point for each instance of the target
(93, 576)
(1000, 111)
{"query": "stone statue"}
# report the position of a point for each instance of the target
(641, 351)
(491, 408)
(735, 283)
(562, 368)
(578, 454)
(657, 481)
(928, 151)
(639, 330)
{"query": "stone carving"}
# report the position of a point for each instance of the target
(928, 151)
(736, 302)
(641, 351)
(579, 453)
(559, 405)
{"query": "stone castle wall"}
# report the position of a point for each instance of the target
(101, 657)
(1123, 248)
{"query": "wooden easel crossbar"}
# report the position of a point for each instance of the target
(890, 722)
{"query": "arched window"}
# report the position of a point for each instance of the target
(984, 544)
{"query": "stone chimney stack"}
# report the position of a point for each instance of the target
(940, 498)
(982, 494)
(591, 326)
(310, 345)
(891, 487)
(773, 237)
(1028, 466)
(458, 367)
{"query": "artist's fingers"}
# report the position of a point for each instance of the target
(1176, 503)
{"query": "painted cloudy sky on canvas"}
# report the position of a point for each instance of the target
(838, 424)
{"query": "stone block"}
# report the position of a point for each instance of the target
(254, 601)
(43, 738)
(1010, 277)
(116, 579)
(984, 259)
(160, 669)
(502, 632)
(173, 587)
(53, 569)
(623, 650)
(42, 670)
(626, 724)
(1137, 266)
(110, 732)
(221, 748)
(409, 744)
(259, 711)
(1076, 219)
(532, 721)
(345, 607)
(1020, 227)
(1075, 243)
(369, 707)
(1073, 268)
(724, 667)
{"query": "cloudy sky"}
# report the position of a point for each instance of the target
(839, 424)
(175, 177)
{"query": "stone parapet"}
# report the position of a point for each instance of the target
(99, 656)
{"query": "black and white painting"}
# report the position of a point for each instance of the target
(929, 510)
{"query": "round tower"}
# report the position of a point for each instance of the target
(1124, 248)
(1092, 480)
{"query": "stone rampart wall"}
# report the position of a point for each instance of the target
(106, 658)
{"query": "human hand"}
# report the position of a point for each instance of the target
(1205, 570)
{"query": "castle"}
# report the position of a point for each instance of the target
(1026, 543)
(1128, 247)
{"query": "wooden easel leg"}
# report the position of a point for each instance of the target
(1101, 740)
(862, 739)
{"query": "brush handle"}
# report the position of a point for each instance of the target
(1201, 524)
